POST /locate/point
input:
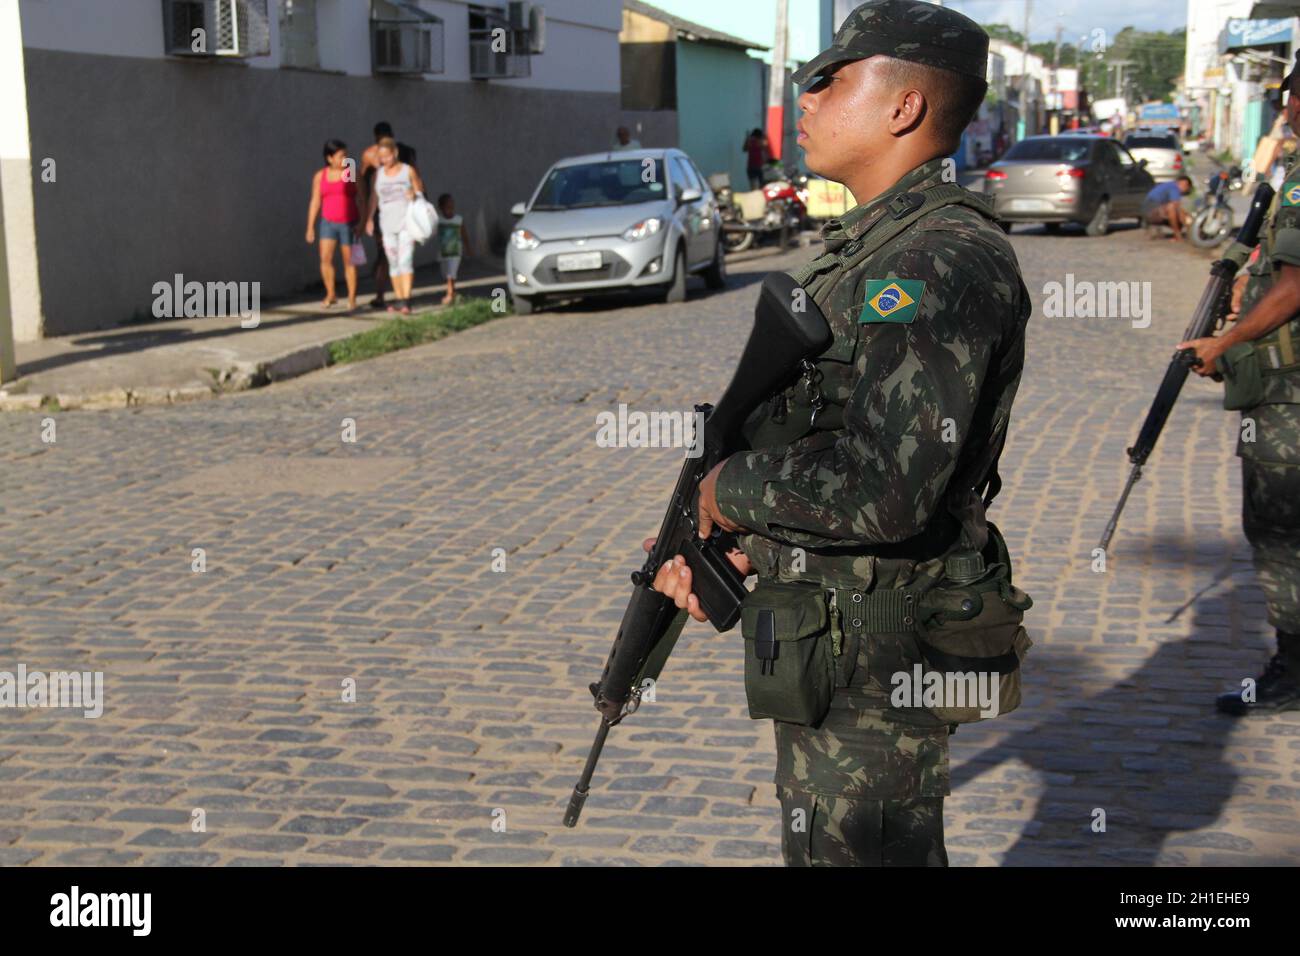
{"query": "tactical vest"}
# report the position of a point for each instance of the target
(1277, 354)
(960, 528)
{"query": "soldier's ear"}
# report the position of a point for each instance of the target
(909, 110)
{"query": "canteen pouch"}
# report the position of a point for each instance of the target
(971, 651)
(789, 653)
(1243, 379)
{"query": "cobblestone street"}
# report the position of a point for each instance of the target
(330, 562)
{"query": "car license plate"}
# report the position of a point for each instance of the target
(577, 261)
(1029, 205)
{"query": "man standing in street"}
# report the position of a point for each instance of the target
(1259, 357)
(865, 490)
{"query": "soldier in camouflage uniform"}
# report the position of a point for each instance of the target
(865, 470)
(1270, 463)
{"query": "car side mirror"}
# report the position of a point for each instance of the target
(689, 195)
(517, 209)
(1142, 163)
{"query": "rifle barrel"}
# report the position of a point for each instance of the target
(583, 785)
(1111, 525)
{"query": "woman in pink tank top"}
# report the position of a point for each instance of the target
(334, 199)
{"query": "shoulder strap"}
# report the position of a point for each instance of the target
(905, 209)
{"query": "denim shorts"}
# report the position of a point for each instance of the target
(342, 231)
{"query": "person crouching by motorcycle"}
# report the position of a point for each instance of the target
(1164, 205)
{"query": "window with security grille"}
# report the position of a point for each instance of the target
(236, 28)
(498, 50)
(298, 47)
(405, 38)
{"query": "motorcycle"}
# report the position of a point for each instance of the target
(1212, 224)
(750, 215)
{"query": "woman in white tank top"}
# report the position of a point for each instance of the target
(395, 186)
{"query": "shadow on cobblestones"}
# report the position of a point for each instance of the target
(1149, 764)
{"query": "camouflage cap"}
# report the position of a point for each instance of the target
(907, 30)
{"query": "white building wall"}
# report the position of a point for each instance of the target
(581, 37)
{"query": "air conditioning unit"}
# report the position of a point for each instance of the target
(234, 28)
(537, 30)
(404, 38)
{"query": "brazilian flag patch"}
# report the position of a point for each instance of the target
(892, 300)
(1291, 194)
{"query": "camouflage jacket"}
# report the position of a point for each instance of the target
(1279, 245)
(929, 338)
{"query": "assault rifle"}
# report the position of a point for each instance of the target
(789, 329)
(1209, 315)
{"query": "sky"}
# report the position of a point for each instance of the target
(755, 19)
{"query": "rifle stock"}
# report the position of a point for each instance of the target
(788, 329)
(1209, 314)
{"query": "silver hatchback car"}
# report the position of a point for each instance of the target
(614, 222)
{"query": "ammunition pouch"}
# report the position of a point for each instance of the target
(789, 652)
(1243, 379)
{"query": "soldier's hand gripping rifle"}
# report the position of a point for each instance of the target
(1209, 315)
(788, 330)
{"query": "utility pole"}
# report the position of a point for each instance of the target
(776, 85)
(1021, 123)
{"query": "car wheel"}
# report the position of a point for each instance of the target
(715, 276)
(1099, 225)
(1004, 226)
(523, 304)
(676, 290)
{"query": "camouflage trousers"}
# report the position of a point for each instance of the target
(1271, 509)
(865, 787)
(837, 831)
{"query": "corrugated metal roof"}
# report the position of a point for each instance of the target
(686, 30)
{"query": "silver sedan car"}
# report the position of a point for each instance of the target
(1089, 180)
(613, 222)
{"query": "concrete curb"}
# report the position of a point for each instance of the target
(237, 377)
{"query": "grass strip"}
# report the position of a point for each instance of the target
(402, 333)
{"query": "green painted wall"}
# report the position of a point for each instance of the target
(720, 97)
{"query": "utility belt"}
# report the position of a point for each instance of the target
(1247, 367)
(953, 650)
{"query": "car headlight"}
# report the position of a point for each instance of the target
(523, 239)
(643, 229)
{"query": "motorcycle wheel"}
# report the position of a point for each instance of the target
(737, 241)
(1210, 227)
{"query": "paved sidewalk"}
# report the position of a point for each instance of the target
(159, 363)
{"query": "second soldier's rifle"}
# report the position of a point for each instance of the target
(789, 329)
(1209, 315)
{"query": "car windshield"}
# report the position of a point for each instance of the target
(618, 182)
(1059, 150)
(1151, 142)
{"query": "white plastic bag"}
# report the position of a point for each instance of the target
(421, 219)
